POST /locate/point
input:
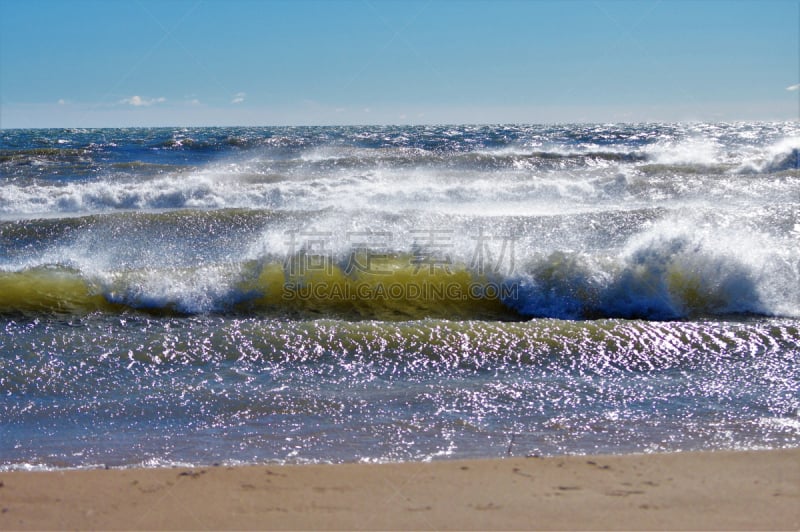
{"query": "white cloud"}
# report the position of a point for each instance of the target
(194, 101)
(138, 101)
(793, 87)
(62, 101)
(238, 97)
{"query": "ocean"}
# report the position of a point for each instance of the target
(201, 296)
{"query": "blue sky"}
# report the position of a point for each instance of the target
(85, 63)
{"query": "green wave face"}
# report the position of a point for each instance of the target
(50, 290)
(401, 291)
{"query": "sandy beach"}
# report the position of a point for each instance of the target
(712, 490)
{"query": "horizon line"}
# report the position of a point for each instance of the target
(425, 124)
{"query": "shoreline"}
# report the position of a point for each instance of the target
(687, 490)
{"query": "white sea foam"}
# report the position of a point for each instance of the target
(782, 155)
(677, 268)
(690, 151)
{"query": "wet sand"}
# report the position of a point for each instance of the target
(712, 490)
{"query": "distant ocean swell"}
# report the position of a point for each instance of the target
(299, 173)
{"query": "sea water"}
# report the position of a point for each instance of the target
(337, 294)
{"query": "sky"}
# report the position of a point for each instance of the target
(120, 63)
